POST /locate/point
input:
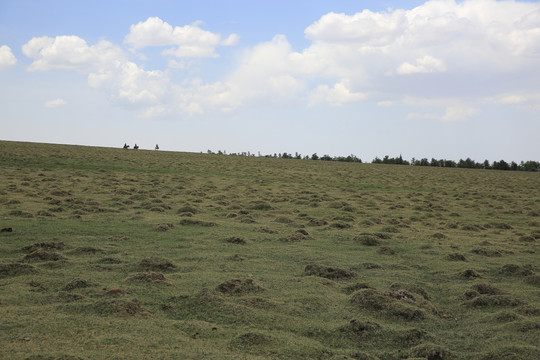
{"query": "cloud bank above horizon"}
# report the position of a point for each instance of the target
(389, 58)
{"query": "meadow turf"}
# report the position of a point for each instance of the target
(123, 254)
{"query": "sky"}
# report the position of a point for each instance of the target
(442, 78)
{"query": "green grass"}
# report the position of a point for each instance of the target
(122, 254)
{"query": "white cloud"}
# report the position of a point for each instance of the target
(425, 65)
(190, 40)
(266, 74)
(132, 85)
(7, 59)
(366, 27)
(454, 111)
(70, 53)
(530, 100)
(55, 103)
(459, 43)
(338, 95)
(231, 40)
(457, 113)
(386, 103)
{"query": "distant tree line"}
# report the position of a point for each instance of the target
(468, 163)
(465, 164)
(284, 155)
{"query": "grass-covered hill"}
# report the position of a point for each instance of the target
(123, 254)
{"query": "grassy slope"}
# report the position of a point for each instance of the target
(221, 257)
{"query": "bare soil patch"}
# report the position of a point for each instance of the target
(236, 240)
(328, 272)
(77, 283)
(43, 255)
(16, 269)
(237, 287)
(156, 264)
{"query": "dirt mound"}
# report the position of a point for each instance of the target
(528, 238)
(207, 297)
(77, 283)
(45, 246)
(533, 280)
(110, 260)
(430, 352)
(486, 289)
(493, 300)
(43, 255)
(164, 227)
(61, 357)
(513, 269)
(411, 288)
(456, 257)
(487, 252)
(413, 336)
(21, 213)
(360, 328)
(236, 257)
(328, 272)
(236, 287)
(86, 250)
(317, 222)
(501, 226)
(371, 266)
(115, 292)
(469, 274)
(506, 316)
(399, 303)
(118, 238)
(295, 237)
(439, 236)
(368, 239)
(358, 286)
(236, 240)
(156, 264)
(385, 250)
(260, 205)
(472, 227)
(15, 269)
(187, 209)
(150, 277)
(119, 307)
(340, 225)
(193, 222)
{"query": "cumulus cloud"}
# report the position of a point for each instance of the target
(529, 100)
(7, 59)
(189, 40)
(55, 103)
(70, 53)
(427, 64)
(131, 84)
(460, 44)
(338, 95)
(454, 110)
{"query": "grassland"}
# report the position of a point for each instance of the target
(123, 254)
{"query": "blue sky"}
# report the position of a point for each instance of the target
(441, 78)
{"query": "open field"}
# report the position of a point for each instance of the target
(123, 254)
